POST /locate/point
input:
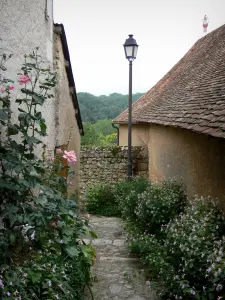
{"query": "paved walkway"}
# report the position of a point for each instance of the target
(117, 275)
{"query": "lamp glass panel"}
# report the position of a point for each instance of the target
(129, 51)
(135, 51)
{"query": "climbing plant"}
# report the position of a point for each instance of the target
(42, 255)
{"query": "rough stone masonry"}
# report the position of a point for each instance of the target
(109, 165)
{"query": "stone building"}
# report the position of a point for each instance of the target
(182, 120)
(25, 25)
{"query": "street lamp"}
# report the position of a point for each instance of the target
(130, 48)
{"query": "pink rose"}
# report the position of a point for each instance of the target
(59, 151)
(23, 79)
(51, 158)
(70, 156)
(2, 90)
(11, 87)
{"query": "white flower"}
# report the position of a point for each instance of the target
(49, 283)
(219, 287)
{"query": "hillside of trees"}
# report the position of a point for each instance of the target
(97, 113)
(94, 108)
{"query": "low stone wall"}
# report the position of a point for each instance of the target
(109, 165)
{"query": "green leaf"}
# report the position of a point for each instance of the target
(8, 165)
(38, 99)
(89, 253)
(12, 130)
(22, 100)
(72, 251)
(27, 91)
(67, 231)
(17, 147)
(93, 234)
(12, 238)
(29, 156)
(41, 199)
(33, 140)
(35, 277)
(24, 182)
(3, 114)
(43, 127)
(24, 119)
(38, 115)
(22, 110)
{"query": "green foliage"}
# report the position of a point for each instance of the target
(110, 200)
(92, 136)
(127, 192)
(180, 242)
(190, 260)
(100, 134)
(94, 108)
(104, 126)
(110, 139)
(101, 200)
(160, 203)
(42, 255)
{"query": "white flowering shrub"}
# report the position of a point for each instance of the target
(160, 203)
(127, 192)
(190, 260)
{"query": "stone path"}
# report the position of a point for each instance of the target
(117, 275)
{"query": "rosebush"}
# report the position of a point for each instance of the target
(42, 255)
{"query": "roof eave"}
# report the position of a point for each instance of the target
(69, 72)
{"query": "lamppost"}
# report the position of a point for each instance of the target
(130, 48)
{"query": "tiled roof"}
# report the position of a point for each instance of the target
(192, 94)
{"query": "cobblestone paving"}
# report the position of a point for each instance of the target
(118, 276)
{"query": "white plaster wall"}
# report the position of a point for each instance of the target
(25, 25)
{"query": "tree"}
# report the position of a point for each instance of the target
(94, 108)
(92, 136)
(105, 126)
(98, 135)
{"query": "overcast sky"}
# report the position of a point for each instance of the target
(164, 29)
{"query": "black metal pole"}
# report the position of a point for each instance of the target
(129, 165)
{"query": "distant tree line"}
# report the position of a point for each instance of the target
(97, 113)
(94, 108)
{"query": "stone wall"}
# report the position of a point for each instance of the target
(109, 165)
